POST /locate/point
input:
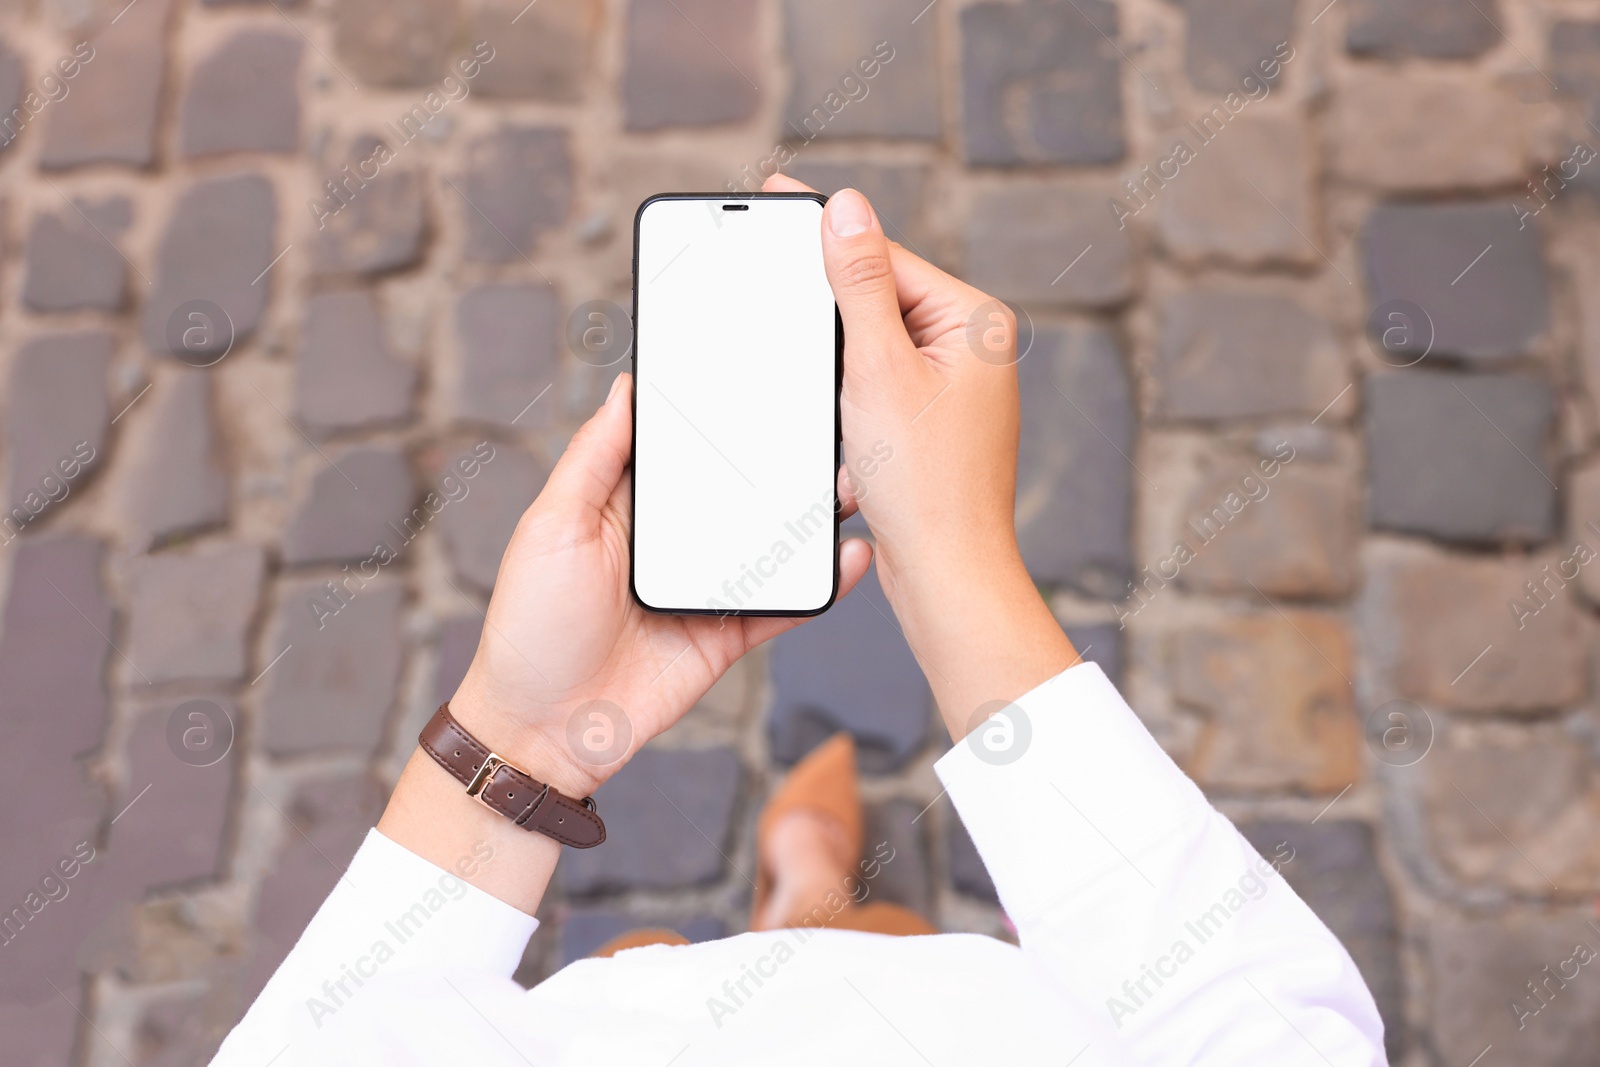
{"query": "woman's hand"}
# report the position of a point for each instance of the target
(931, 423)
(571, 675)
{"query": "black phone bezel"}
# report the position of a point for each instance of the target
(838, 436)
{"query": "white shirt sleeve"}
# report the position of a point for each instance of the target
(1134, 893)
(392, 915)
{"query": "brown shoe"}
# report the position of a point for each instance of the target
(824, 782)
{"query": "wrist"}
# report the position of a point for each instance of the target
(981, 631)
(531, 746)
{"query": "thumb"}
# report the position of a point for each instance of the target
(593, 463)
(856, 255)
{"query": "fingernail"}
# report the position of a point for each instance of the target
(848, 213)
(616, 383)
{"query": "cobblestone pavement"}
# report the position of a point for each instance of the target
(1310, 455)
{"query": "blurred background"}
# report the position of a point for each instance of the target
(1310, 295)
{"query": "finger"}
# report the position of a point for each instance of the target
(856, 255)
(848, 504)
(782, 183)
(591, 467)
(855, 556)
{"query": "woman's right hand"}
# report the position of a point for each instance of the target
(931, 423)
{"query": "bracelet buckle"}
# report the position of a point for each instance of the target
(486, 773)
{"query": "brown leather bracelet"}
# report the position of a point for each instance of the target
(508, 789)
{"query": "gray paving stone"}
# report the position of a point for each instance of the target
(1226, 41)
(53, 708)
(895, 191)
(1480, 965)
(478, 526)
(173, 816)
(111, 113)
(190, 612)
(1428, 254)
(1461, 457)
(43, 1034)
(1023, 243)
(52, 658)
(217, 243)
(508, 334)
(395, 43)
(1099, 643)
(1431, 29)
(57, 415)
(842, 86)
(517, 186)
(850, 669)
(587, 929)
(176, 481)
(378, 225)
(540, 53)
(10, 96)
(345, 376)
(363, 500)
(668, 815)
(893, 829)
(329, 819)
(242, 96)
(968, 875)
(458, 643)
(1075, 472)
(335, 685)
(1040, 84)
(1225, 354)
(690, 63)
(1334, 869)
(72, 264)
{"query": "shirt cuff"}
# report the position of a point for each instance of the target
(1064, 789)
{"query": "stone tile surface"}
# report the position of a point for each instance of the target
(1228, 354)
(361, 499)
(337, 680)
(508, 334)
(690, 63)
(1461, 457)
(517, 185)
(242, 97)
(346, 375)
(860, 70)
(1041, 84)
(218, 240)
(1289, 676)
(57, 415)
(1431, 29)
(1075, 468)
(112, 109)
(1483, 308)
(1023, 243)
(174, 478)
(73, 263)
(190, 612)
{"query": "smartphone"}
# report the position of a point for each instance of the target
(737, 359)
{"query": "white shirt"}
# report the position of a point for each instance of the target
(1151, 933)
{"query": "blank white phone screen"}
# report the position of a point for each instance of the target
(736, 385)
